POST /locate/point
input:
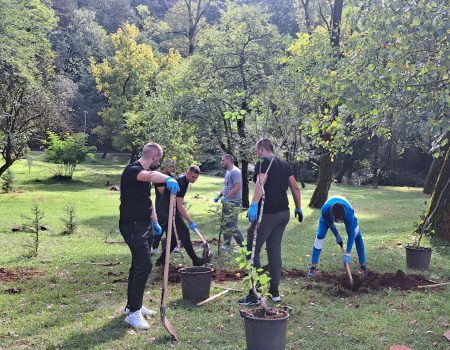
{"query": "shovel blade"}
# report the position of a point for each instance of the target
(168, 326)
(206, 253)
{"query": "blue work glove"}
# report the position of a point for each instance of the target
(157, 230)
(339, 239)
(216, 199)
(298, 212)
(346, 259)
(193, 225)
(172, 185)
(224, 199)
(252, 212)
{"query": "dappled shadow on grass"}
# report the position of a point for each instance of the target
(53, 185)
(109, 224)
(111, 331)
(440, 246)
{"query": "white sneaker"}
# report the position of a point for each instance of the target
(136, 320)
(144, 311)
(176, 250)
(155, 252)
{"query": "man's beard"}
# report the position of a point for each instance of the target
(154, 166)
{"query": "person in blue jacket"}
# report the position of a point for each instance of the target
(337, 209)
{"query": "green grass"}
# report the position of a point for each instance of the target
(75, 305)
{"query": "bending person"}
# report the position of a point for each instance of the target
(183, 231)
(338, 209)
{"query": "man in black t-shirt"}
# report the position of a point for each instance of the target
(183, 231)
(137, 221)
(168, 170)
(276, 180)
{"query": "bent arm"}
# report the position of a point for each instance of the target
(296, 194)
(236, 188)
(152, 176)
(182, 210)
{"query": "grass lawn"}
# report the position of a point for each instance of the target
(75, 304)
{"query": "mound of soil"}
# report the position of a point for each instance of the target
(7, 275)
(261, 313)
(219, 275)
(340, 284)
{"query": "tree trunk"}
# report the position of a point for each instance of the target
(438, 216)
(375, 165)
(7, 156)
(320, 194)
(134, 155)
(346, 164)
(433, 174)
(245, 189)
(435, 167)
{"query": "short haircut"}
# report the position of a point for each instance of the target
(194, 169)
(266, 144)
(229, 157)
(170, 162)
(337, 209)
(150, 149)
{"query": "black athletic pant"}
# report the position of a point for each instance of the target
(183, 235)
(138, 236)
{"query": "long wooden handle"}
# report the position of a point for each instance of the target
(201, 236)
(213, 297)
(167, 260)
(434, 285)
(347, 268)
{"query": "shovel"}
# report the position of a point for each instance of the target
(176, 233)
(206, 248)
(165, 322)
(347, 268)
(209, 299)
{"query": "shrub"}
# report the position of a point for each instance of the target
(67, 152)
(8, 181)
(70, 219)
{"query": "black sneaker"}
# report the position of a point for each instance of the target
(312, 272)
(363, 271)
(249, 300)
(275, 296)
(198, 262)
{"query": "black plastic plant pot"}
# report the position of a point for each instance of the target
(418, 258)
(265, 333)
(196, 283)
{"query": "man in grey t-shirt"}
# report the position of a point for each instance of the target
(231, 202)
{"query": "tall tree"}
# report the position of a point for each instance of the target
(437, 218)
(125, 80)
(185, 21)
(326, 164)
(25, 69)
(236, 58)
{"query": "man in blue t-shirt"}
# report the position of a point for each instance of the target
(231, 195)
(335, 210)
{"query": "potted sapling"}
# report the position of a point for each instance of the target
(265, 327)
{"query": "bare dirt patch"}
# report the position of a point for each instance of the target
(15, 275)
(339, 284)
